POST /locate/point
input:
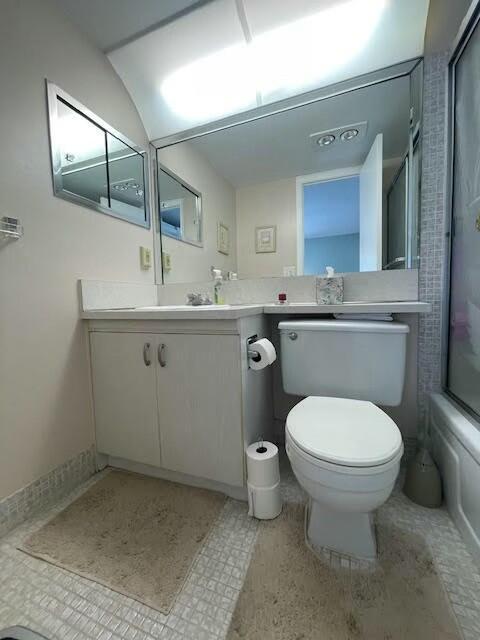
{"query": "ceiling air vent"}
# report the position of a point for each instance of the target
(341, 135)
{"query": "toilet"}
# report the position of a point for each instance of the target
(344, 450)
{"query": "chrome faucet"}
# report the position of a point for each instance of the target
(198, 299)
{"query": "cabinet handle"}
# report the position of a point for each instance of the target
(146, 354)
(161, 355)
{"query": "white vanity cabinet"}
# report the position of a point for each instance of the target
(176, 400)
(124, 394)
(199, 406)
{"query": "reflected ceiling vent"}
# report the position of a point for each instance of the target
(129, 184)
(340, 135)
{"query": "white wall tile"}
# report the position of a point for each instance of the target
(375, 286)
(99, 294)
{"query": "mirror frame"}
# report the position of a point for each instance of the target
(198, 203)
(53, 94)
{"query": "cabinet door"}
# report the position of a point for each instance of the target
(199, 406)
(124, 390)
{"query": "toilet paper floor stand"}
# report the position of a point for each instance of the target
(263, 480)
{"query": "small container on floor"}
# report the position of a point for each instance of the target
(423, 484)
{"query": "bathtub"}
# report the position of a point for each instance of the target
(456, 449)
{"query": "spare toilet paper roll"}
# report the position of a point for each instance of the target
(264, 503)
(262, 464)
(266, 354)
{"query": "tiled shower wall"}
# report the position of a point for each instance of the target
(432, 227)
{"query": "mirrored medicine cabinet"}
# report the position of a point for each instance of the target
(93, 164)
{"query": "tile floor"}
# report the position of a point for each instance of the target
(64, 606)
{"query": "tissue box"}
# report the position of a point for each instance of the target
(330, 290)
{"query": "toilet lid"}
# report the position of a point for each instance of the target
(352, 433)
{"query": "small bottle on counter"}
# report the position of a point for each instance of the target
(282, 298)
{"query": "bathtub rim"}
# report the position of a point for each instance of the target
(455, 437)
(461, 424)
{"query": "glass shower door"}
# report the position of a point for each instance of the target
(463, 368)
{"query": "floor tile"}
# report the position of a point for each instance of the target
(64, 606)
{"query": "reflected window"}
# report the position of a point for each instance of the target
(331, 225)
(93, 164)
(180, 208)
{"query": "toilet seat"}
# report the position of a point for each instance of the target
(344, 432)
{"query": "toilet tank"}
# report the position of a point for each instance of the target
(358, 359)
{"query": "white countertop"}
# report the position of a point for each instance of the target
(233, 312)
(178, 312)
(348, 307)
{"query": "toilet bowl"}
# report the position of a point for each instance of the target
(346, 455)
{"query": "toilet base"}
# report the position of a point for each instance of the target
(347, 533)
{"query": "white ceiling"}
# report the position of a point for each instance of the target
(278, 146)
(145, 63)
(109, 23)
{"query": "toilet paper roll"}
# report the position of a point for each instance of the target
(266, 354)
(262, 464)
(264, 503)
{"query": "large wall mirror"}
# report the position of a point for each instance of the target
(93, 164)
(332, 182)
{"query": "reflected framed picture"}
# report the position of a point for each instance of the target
(223, 239)
(266, 239)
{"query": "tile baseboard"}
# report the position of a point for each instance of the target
(49, 488)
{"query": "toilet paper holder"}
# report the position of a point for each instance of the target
(260, 353)
(251, 353)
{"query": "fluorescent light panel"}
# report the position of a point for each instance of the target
(290, 58)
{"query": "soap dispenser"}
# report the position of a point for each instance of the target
(217, 279)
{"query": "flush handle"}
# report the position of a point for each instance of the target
(292, 335)
(161, 355)
(146, 354)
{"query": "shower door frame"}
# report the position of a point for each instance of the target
(469, 23)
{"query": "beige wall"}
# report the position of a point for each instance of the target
(270, 203)
(45, 404)
(190, 263)
(443, 22)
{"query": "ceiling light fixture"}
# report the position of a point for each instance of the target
(213, 86)
(229, 80)
(326, 141)
(129, 185)
(346, 132)
(318, 46)
(80, 139)
(348, 135)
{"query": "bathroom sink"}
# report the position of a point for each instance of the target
(185, 307)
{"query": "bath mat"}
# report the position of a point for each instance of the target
(134, 534)
(289, 594)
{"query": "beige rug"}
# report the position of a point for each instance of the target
(291, 595)
(134, 534)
